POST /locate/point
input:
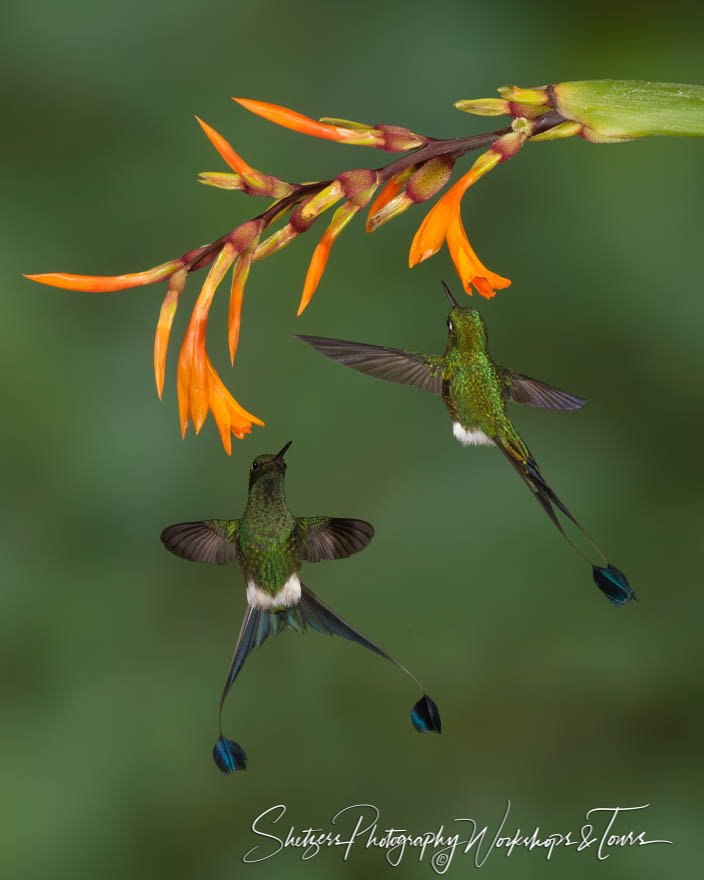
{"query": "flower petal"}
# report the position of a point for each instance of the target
(235, 408)
(468, 265)
(221, 414)
(305, 125)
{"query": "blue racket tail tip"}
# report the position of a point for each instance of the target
(229, 756)
(425, 716)
(613, 584)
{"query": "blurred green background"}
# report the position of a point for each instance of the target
(114, 652)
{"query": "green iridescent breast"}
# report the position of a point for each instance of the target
(474, 393)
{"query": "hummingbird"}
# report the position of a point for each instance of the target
(270, 544)
(476, 392)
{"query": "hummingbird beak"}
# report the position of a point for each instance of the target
(280, 455)
(453, 301)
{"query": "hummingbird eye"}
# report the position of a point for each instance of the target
(255, 465)
(450, 325)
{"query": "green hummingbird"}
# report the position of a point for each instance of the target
(476, 392)
(270, 544)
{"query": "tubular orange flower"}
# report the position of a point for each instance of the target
(192, 366)
(225, 149)
(470, 269)
(163, 327)
(107, 283)
(432, 231)
(305, 125)
(253, 182)
(234, 314)
(340, 219)
(228, 414)
(200, 389)
(316, 267)
(183, 380)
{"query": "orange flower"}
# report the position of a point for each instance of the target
(444, 223)
(234, 315)
(163, 327)
(223, 147)
(199, 386)
(107, 283)
(433, 230)
(469, 268)
(340, 219)
(228, 414)
(305, 125)
(248, 178)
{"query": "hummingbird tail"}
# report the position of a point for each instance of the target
(311, 611)
(611, 581)
(613, 584)
(229, 756)
(259, 624)
(255, 629)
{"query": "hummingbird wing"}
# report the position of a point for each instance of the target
(212, 540)
(523, 389)
(393, 364)
(329, 537)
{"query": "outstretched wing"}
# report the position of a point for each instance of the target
(523, 389)
(212, 540)
(393, 364)
(329, 537)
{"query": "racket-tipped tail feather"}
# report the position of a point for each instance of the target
(229, 756)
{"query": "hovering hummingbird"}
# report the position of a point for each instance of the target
(476, 391)
(270, 544)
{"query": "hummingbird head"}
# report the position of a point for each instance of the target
(268, 464)
(465, 325)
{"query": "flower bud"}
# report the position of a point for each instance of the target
(395, 206)
(221, 180)
(359, 185)
(398, 139)
(245, 235)
(430, 178)
(310, 208)
(533, 97)
(484, 106)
